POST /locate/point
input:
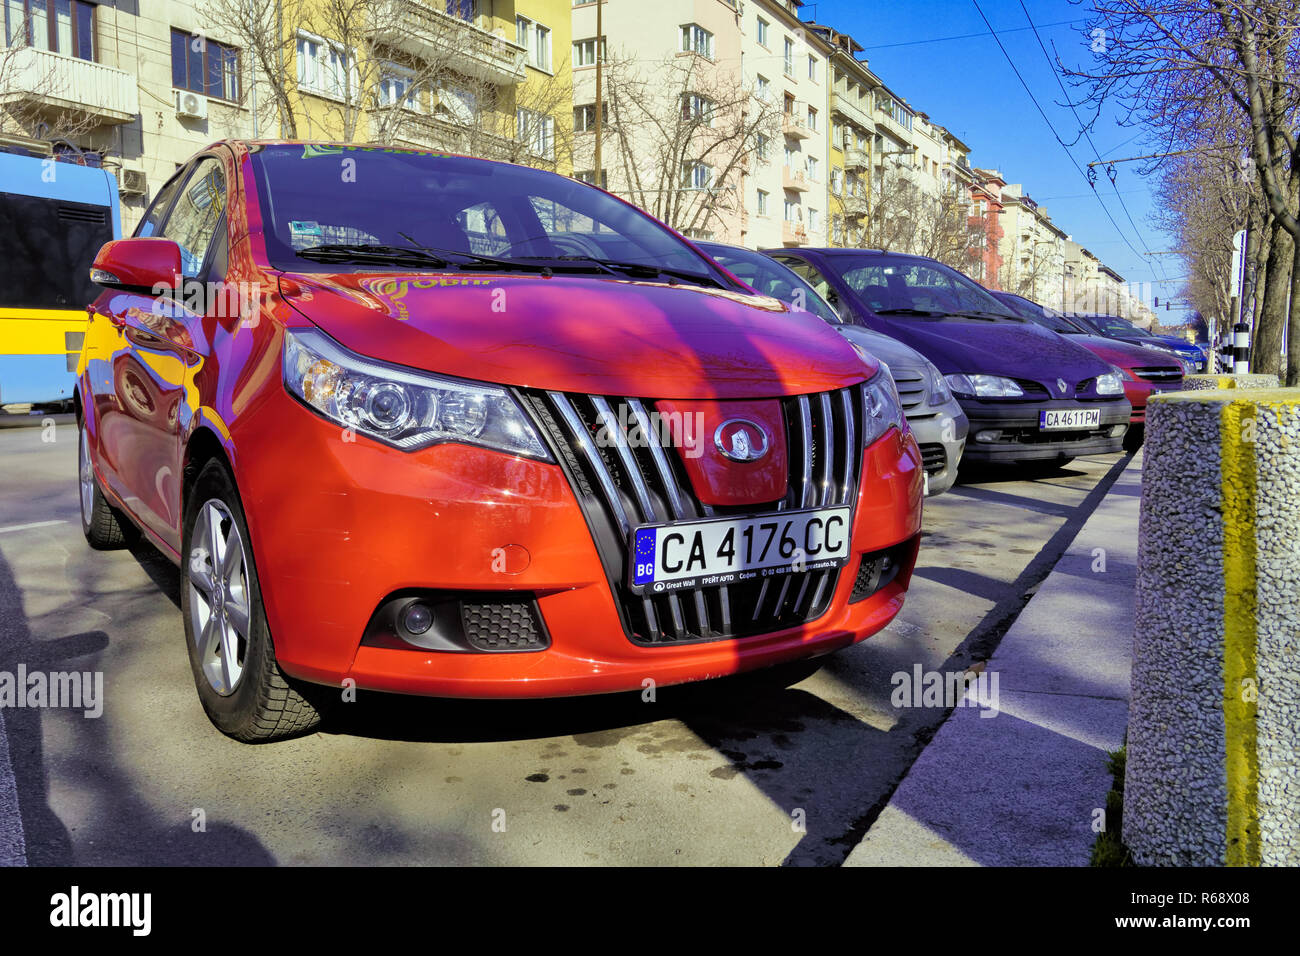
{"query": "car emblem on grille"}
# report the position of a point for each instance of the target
(1060, 383)
(741, 440)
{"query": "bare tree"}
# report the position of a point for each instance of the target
(901, 212)
(681, 133)
(1184, 67)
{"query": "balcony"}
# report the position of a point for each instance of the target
(795, 180)
(850, 108)
(792, 125)
(855, 158)
(78, 91)
(793, 233)
(440, 132)
(440, 39)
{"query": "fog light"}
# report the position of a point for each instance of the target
(988, 435)
(416, 619)
(1117, 430)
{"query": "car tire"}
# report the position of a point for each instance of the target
(105, 528)
(240, 685)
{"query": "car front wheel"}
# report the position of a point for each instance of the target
(241, 687)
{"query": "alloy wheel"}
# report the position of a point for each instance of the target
(219, 596)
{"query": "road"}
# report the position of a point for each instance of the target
(785, 767)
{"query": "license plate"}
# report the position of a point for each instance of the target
(723, 551)
(1063, 419)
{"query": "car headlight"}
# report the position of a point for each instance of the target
(403, 407)
(881, 408)
(984, 386)
(1111, 383)
(940, 393)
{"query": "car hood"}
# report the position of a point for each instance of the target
(1125, 354)
(1013, 349)
(595, 335)
(890, 351)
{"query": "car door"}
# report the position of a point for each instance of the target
(164, 345)
(110, 428)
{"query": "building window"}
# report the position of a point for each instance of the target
(812, 119)
(836, 177)
(814, 224)
(762, 32)
(396, 87)
(789, 57)
(584, 52)
(204, 66)
(703, 235)
(696, 175)
(791, 211)
(762, 202)
(61, 26)
(537, 131)
(812, 168)
(589, 175)
(325, 68)
(696, 39)
(763, 88)
(697, 108)
(789, 157)
(536, 39)
(762, 146)
(584, 117)
(812, 68)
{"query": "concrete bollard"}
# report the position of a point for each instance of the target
(1213, 769)
(1195, 382)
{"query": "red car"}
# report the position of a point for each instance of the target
(1146, 370)
(444, 426)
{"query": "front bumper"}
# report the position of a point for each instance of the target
(1019, 437)
(941, 438)
(1139, 393)
(333, 540)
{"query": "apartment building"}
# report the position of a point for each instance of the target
(1033, 249)
(140, 86)
(853, 132)
(786, 63)
(986, 226)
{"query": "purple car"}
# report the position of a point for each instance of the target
(1031, 395)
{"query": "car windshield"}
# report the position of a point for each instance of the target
(901, 285)
(1040, 314)
(332, 207)
(1114, 325)
(771, 278)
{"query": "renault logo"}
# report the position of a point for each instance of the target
(741, 440)
(1060, 383)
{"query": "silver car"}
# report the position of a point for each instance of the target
(935, 417)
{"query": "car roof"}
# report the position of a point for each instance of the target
(837, 251)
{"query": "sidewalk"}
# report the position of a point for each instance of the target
(1020, 788)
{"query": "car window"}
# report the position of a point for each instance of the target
(809, 273)
(886, 283)
(193, 221)
(153, 217)
(773, 279)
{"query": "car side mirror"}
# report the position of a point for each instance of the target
(137, 265)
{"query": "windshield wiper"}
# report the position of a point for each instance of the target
(977, 314)
(351, 252)
(614, 267)
(907, 311)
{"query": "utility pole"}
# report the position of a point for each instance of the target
(600, 93)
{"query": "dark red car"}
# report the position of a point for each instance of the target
(1146, 371)
(474, 430)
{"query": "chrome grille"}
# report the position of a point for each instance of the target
(911, 388)
(1159, 374)
(621, 486)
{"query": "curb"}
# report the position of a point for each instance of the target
(1024, 782)
(12, 845)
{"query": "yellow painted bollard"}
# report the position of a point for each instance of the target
(1213, 768)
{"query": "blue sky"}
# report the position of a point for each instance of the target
(968, 86)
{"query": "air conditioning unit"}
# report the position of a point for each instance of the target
(133, 183)
(191, 105)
